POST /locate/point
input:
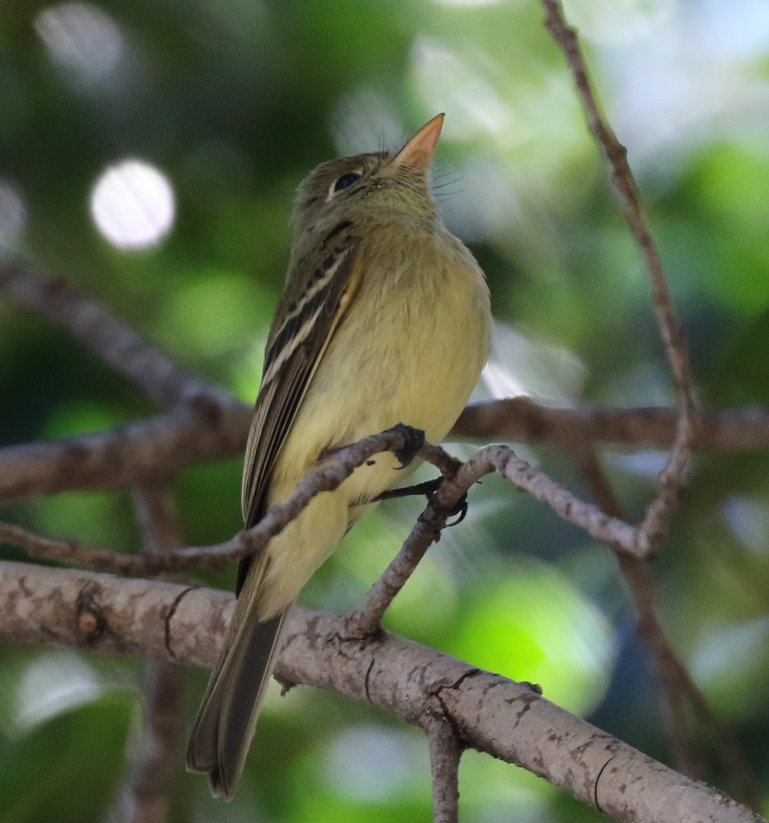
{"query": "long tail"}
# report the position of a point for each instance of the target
(227, 718)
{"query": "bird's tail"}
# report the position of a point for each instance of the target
(227, 718)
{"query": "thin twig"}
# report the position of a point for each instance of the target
(327, 478)
(114, 342)
(79, 554)
(368, 619)
(445, 754)
(598, 524)
(427, 530)
(675, 473)
(458, 480)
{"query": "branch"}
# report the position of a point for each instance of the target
(143, 452)
(491, 713)
(458, 478)
(200, 431)
(426, 531)
(651, 427)
(675, 473)
(327, 478)
(615, 533)
(442, 504)
(114, 342)
(445, 754)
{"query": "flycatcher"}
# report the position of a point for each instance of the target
(385, 319)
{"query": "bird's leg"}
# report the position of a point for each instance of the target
(428, 488)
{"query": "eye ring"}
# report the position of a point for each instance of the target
(346, 180)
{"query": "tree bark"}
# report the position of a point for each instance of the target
(99, 612)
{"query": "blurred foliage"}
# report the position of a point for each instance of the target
(233, 102)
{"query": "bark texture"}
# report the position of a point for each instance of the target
(488, 712)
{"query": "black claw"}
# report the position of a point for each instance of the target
(461, 510)
(415, 439)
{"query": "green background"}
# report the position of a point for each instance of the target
(234, 101)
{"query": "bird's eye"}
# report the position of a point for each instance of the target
(346, 180)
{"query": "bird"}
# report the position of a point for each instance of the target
(385, 319)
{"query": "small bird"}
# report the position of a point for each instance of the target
(385, 319)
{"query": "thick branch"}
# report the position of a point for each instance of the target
(144, 452)
(495, 715)
(151, 449)
(651, 427)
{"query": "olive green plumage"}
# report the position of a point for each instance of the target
(385, 319)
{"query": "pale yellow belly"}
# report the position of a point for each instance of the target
(407, 362)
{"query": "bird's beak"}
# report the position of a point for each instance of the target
(418, 153)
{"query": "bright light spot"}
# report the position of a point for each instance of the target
(684, 77)
(133, 205)
(83, 39)
(54, 683)
(13, 215)
(736, 31)
(501, 382)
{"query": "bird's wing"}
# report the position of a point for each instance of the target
(294, 350)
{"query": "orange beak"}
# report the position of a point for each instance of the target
(418, 153)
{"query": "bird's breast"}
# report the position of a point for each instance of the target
(409, 349)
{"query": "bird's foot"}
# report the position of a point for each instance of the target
(414, 440)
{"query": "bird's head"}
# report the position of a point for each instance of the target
(394, 181)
